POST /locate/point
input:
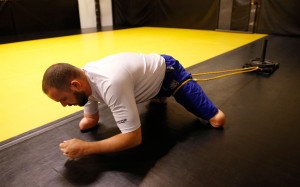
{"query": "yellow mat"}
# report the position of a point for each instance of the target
(25, 107)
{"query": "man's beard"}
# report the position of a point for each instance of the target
(81, 98)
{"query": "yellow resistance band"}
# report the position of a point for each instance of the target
(228, 73)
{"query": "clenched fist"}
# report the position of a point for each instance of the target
(73, 148)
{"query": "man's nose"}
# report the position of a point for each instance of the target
(63, 104)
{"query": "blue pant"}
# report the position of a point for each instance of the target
(190, 95)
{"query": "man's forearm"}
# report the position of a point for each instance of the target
(76, 148)
(115, 143)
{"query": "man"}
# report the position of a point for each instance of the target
(121, 81)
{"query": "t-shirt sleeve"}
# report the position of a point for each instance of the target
(120, 99)
(91, 107)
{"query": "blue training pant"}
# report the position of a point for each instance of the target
(190, 95)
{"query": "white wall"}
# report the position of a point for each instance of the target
(87, 13)
(106, 13)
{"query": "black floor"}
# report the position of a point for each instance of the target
(259, 146)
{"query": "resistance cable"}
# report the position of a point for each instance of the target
(227, 73)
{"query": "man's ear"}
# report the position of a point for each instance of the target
(75, 85)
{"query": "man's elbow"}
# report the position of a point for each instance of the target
(138, 141)
(88, 121)
(136, 138)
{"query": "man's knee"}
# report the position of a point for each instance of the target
(218, 120)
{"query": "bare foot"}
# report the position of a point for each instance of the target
(218, 120)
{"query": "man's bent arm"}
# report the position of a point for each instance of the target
(115, 143)
(89, 121)
(76, 148)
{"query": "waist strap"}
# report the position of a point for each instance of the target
(183, 83)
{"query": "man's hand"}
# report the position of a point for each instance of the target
(73, 148)
(76, 148)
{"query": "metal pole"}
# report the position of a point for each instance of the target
(264, 49)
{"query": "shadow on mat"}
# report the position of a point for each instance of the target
(162, 128)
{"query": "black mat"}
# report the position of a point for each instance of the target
(259, 145)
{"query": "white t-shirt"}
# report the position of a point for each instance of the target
(121, 81)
